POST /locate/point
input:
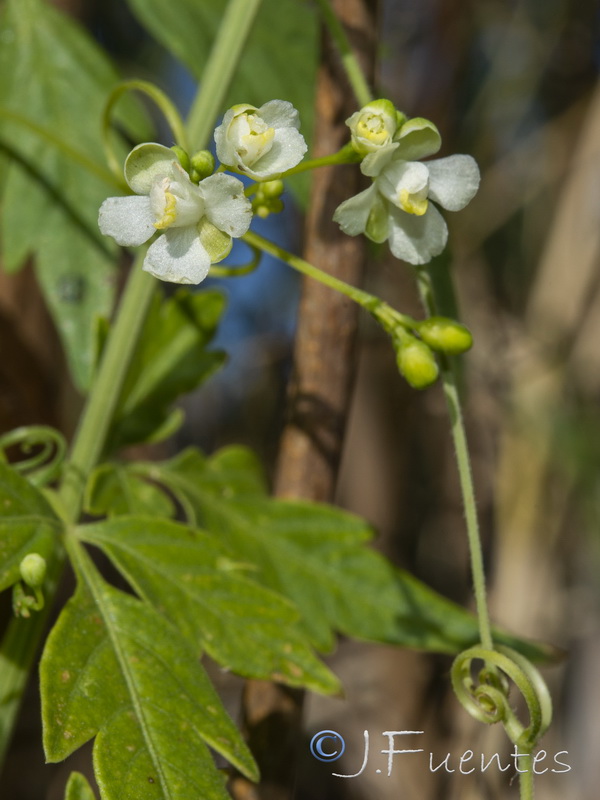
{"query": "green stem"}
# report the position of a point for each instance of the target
(463, 462)
(22, 637)
(364, 299)
(169, 110)
(526, 787)
(360, 87)
(91, 434)
(231, 38)
(347, 155)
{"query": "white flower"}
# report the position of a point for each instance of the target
(261, 141)
(196, 221)
(397, 206)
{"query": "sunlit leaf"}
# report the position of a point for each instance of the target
(185, 574)
(115, 669)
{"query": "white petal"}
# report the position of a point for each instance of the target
(279, 114)
(409, 175)
(147, 163)
(178, 256)
(287, 150)
(353, 214)
(227, 207)
(453, 181)
(417, 239)
(373, 164)
(418, 139)
(129, 220)
(226, 152)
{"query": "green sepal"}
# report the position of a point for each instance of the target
(216, 243)
(418, 138)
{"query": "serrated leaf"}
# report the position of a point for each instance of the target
(78, 788)
(279, 61)
(318, 556)
(27, 524)
(171, 359)
(53, 74)
(115, 669)
(186, 575)
(113, 489)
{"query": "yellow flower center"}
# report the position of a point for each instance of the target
(168, 212)
(372, 127)
(413, 203)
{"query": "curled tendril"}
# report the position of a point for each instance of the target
(486, 698)
(44, 465)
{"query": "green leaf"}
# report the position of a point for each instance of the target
(52, 73)
(318, 557)
(115, 669)
(279, 61)
(113, 489)
(185, 574)
(27, 524)
(78, 788)
(170, 360)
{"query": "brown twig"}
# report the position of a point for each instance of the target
(320, 389)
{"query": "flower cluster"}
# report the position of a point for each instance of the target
(198, 213)
(398, 206)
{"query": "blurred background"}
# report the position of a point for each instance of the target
(515, 84)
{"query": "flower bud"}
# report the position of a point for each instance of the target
(416, 363)
(182, 156)
(33, 570)
(445, 335)
(203, 164)
(373, 127)
(271, 189)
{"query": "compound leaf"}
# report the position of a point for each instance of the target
(115, 669)
(78, 788)
(187, 575)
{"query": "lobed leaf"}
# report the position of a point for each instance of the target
(318, 557)
(115, 669)
(53, 74)
(187, 575)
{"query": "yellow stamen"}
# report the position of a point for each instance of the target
(169, 214)
(412, 203)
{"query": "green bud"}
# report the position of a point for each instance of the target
(33, 570)
(261, 210)
(378, 226)
(203, 163)
(416, 363)
(445, 335)
(272, 189)
(182, 157)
